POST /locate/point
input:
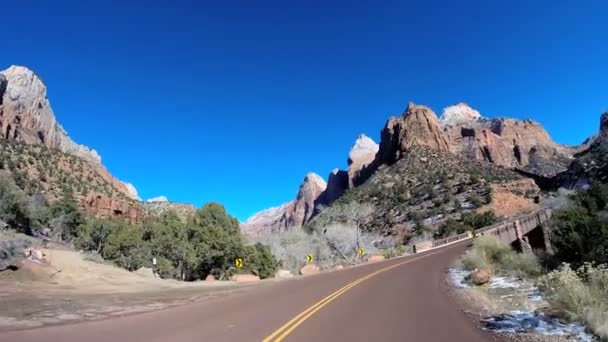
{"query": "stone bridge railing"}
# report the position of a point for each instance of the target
(507, 231)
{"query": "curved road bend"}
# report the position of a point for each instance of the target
(402, 299)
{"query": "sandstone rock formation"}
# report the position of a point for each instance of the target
(103, 206)
(26, 116)
(417, 126)
(458, 113)
(361, 155)
(336, 185)
(517, 144)
(291, 214)
(521, 145)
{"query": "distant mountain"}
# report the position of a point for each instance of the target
(461, 133)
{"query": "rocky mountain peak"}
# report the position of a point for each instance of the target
(26, 116)
(458, 113)
(312, 186)
(363, 151)
(417, 126)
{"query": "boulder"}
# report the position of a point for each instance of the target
(283, 274)
(480, 277)
(338, 267)
(12, 252)
(210, 278)
(245, 278)
(34, 254)
(375, 258)
(309, 269)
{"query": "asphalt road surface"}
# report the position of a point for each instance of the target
(403, 299)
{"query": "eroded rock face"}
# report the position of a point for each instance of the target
(101, 205)
(458, 113)
(417, 126)
(291, 214)
(26, 116)
(361, 155)
(517, 144)
(337, 184)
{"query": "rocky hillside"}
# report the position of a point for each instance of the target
(461, 135)
(590, 164)
(425, 187)
(158, 206)
(26, 116)
(42, 158)
(39, 169)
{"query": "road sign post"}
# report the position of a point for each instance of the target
(238, 262)
(309, 258)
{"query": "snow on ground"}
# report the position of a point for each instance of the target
(528, 319)
(531, 322)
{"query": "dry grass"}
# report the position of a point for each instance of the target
(498, 258)
(580, 295)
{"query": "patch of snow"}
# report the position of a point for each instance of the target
(535, 296)
(158, 199)
(530, 322)
(459, 277)
(504, 283)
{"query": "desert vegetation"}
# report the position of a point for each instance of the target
(208, 243)
(499, 258)
(37, 168)
(574, 278)
(333, 239)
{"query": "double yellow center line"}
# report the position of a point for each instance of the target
(288, 327)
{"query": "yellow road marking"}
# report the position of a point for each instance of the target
(288, 327)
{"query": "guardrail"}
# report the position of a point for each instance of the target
(528, 221)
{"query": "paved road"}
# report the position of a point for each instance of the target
(403, 299)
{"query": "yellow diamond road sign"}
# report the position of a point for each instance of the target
(309, 258)
(238, 263)
(361, 252)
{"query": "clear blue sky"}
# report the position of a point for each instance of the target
(236, 101)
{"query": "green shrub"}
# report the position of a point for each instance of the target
(475, 200)
(259, 260)
(388, 253)
(399, 249)
(579, 234)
